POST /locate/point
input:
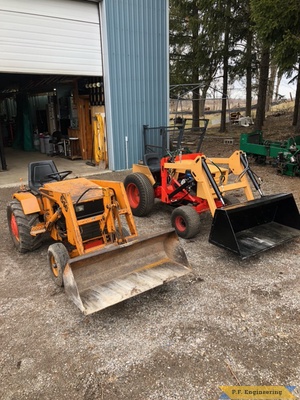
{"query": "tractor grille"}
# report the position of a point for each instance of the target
(90, 231)
(89, 209)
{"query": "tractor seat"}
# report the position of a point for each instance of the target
(152, 160)
(38, 171)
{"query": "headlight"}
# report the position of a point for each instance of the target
(79, 208)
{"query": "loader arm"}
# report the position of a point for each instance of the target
(123, 203)
(105, 203)
(237, 163)
(205, 175)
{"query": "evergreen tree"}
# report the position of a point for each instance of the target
(277, 25)
(207, 37)
(195, 55)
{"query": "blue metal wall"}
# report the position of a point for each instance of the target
(135, 60)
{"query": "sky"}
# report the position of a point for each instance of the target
(286, 89)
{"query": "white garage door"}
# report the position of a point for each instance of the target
(50, 37)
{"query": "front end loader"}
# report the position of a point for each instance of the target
(96, 254)
(193, 184)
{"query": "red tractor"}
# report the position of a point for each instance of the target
(193, 184)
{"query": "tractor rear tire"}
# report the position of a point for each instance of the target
(140, 194)
(58, 257)
(20, 226)
(186, 221)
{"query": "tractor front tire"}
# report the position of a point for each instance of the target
(186, 221)
(140, 194)
(58, 257)
(20, 226)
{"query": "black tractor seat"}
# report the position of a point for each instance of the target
(38, 173)
(152, 160)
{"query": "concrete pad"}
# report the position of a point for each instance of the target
(17, 166)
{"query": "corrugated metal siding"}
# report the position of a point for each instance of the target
(135, 56)
(50, 37)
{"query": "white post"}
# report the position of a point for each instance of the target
(126, 151)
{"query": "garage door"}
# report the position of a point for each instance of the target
(50, 37)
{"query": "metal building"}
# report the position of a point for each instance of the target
(135, 58)
(123, 42)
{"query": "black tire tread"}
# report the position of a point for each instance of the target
(192, 219)
(26, 241)
(146, 193)
(61, 256)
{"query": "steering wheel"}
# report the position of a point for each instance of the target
(59, 176)
(172, 154)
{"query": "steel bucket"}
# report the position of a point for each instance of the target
(118, 272)
(257, 225)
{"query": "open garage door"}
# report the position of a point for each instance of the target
(50, 37)
(50, 71)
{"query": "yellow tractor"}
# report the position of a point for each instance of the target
(96, 255)
(193, 183)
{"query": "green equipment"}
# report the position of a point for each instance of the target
(284, 155)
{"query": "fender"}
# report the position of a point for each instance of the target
(145, 170)
(28, 201)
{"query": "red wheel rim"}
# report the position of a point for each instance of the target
(133, 195)
(14, 227)
(180, 224)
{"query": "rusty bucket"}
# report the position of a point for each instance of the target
(98, 280)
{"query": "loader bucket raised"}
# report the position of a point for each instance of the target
(257, 225)
(118, 272)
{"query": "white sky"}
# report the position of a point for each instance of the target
(286, 89)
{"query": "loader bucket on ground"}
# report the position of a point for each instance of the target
(118, 272)
(257, 225)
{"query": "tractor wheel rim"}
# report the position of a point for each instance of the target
(54, 267)
(180, 224)
(14, 227)
(133, 195)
